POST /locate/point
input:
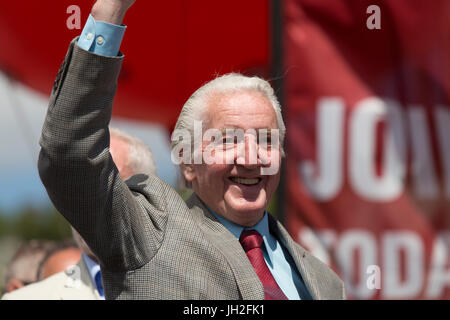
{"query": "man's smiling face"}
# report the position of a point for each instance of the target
(238, 191)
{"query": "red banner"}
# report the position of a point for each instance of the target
(171, 48)
(367, 86)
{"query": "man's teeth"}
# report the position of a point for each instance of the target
(246, 181)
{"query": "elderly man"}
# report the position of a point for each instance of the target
(221, 243)
(84, 282)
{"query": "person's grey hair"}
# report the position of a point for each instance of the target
(196, 106)
(25, 263)
(140, 158)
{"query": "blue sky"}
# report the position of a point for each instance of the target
(22, 113)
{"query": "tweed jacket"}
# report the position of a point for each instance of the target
(150, 243)
(72, 284)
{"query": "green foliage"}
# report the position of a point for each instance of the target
(184, 193)
(31, 224)
(272, 207)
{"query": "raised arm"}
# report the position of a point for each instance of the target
(123, 229)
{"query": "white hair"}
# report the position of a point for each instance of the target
(195, 108)
(139, 158)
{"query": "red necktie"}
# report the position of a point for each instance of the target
(252, 242)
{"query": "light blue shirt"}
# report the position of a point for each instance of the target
(93, 268)
(102, 38)
(278, 259)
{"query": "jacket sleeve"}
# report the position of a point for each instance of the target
(122, 227)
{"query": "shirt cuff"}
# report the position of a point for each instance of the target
(101, 37)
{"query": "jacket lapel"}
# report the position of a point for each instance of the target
(226, 243)
(300, 257)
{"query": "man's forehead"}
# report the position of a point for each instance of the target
(247, 110)
(236, 99)
(236, 129)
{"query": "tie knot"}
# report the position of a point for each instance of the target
(250, 239)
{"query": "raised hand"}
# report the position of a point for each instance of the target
(112, 11)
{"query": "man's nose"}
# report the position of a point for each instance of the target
(248, 152)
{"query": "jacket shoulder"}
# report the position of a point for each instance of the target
(321, 280)
(330, 284)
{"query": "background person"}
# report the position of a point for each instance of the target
(23, 268)
(60, 258)
(131, 156)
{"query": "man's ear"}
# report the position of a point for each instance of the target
(188, 172)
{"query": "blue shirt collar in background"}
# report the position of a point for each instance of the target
(93, 268)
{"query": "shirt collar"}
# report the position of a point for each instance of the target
(92, 267)
(262, 226)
